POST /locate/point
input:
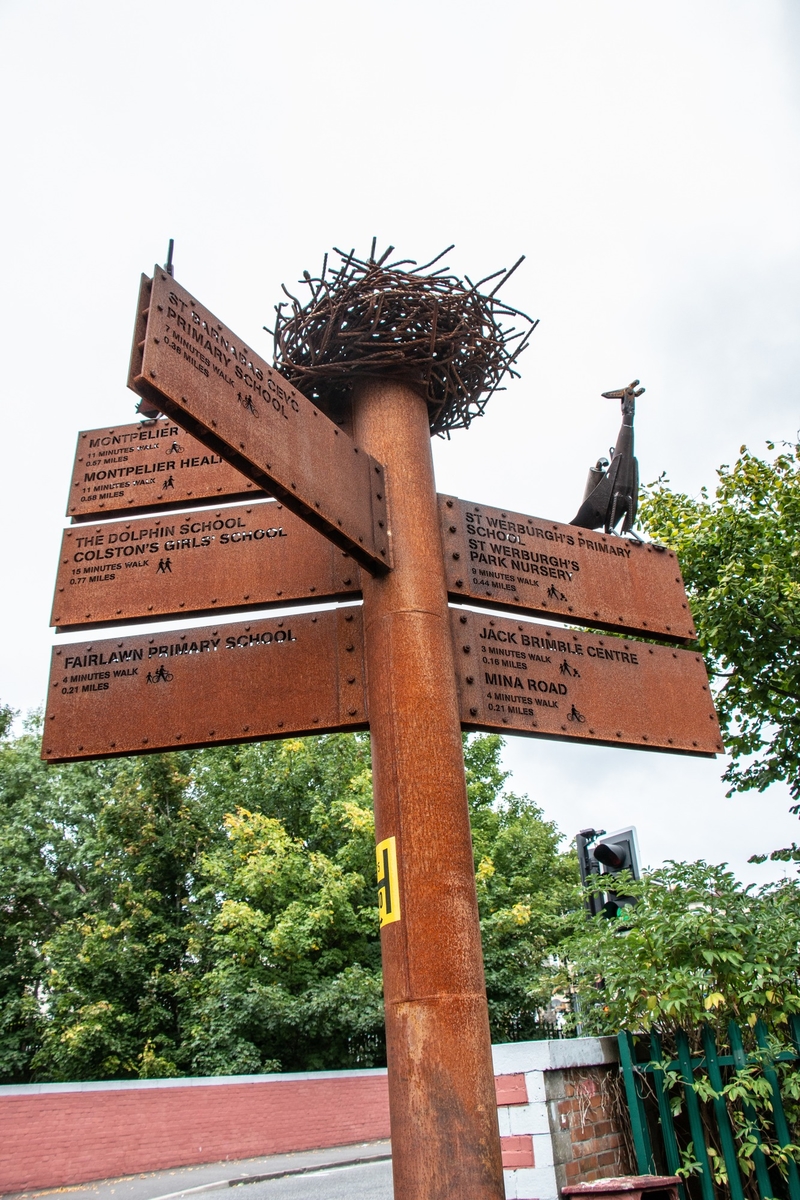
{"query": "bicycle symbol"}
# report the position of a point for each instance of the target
(162, 675)
(574, 715)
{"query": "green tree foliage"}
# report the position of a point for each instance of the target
(740, 555)
(213, 912)
(697, 946)
(528, 896)
(700, 950)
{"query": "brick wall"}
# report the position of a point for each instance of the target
(557, 1110)
(57, 1134)
(587, 1124)
(559, 1115)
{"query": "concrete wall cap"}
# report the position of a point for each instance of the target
(554, 1054)
(118, 1085)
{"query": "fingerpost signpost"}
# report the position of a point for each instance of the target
(338, 433)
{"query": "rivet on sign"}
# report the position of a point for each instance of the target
(466, 649)
(449, 503)
(470, 679)
(597, 614)
(459, 583)
(378, 494)
(694, 743)
(348, 580)
(619, 734)
(564, 728)
(591, 731)
(473, 712)
(452, 528)
(351, 678)
(456, 556)
(349, 617)
(463, 620)
(315, 720)
(670, 741)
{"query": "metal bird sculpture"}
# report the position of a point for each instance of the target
(612, 489)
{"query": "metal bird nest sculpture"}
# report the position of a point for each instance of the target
(366, 318)
(612, 489)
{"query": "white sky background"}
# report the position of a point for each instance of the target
(644, 156)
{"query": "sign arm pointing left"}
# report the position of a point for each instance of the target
(197, 371)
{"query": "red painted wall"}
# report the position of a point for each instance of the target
(49, 1138)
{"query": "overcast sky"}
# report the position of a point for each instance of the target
(643, 156)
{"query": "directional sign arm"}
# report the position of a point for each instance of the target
(197, 371)
(577, 686)
(509, 561)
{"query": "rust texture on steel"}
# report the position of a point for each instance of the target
(154, 464)
(203, 376)
(441, 1084)
(202, 687)
(510, 561)
(555, 683)
(193, 563)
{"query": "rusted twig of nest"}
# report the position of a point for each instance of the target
(440, 334)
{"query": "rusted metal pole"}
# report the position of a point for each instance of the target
(445, 1141)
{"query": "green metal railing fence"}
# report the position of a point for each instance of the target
(702, 1079)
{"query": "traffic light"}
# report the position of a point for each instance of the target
(601, 854)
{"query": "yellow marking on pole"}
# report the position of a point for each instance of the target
(388, 888)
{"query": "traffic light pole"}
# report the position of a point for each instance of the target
(445, 1139)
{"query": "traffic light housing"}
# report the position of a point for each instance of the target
(606, 854)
